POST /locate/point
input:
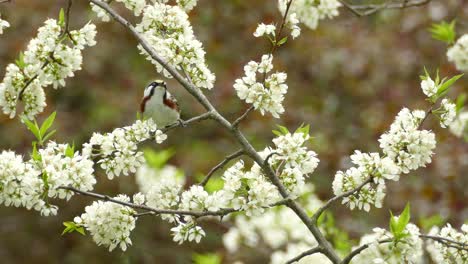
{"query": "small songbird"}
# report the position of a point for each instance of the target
(160, 105)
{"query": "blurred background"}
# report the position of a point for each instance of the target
(347, 79)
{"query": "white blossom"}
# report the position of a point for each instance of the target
(266, 92)
(118, 151)
(447, 113)
(187, 232)
(429, 87)
(110, 224)
(3, 24)
(264, 29)
(187, 5)
(292, 22)
(48, 60)
(406, 250)
(458, 53)
(168, 31)
(441, 252)
(310, 12)
(459, 125)
(407, 146)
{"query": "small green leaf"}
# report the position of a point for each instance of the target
(207, 258)
(460, 102)
(282, 41)
(35, 154)
(33, 128)
(62, 17)
(404, 219)
(48, 123)
(444, 87)
(283, 130)
(51, 133)
(214, 184)
(444, 31)
(393, 224)
(158, 159)
(428, 222)
(277, 133)
(70, 151)
(71, 227)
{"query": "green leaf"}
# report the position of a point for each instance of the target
(20, 61)
(443, 31)
(35, 154)
(282, 41)
(428, 222)
(460, 102)
(51, 133)
(214, 184)
(404, 219)
(48, 123)
(207, 258)
(444, 87)
(62, 17)
(158, 159)
(283, 130)
(277, 133)
(33, 127)
(71, 227)
(393, 224)
(70, 151)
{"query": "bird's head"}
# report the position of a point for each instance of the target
(158, 86)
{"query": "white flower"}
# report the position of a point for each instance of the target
(118, 151)
(406, 250)
(293, 24)
(109, 224)
(48, 60)
(459, 125)
(407, 146)
(3, 24)
(168, 31)
(441, 252)
(310, 12)
(187, 5)
(447, 113)
(139, 198)
(266, 95)
(264, 29)
(101, 13)
(458, 53)
(187, 232)
(160, 137)
(429, 87)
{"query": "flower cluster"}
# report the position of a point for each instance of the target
(147, 177)
(311, 12)
(458, 53)
(368, 166)
(110, 224)
(187, 232)
(442, 252)
(265, 30)
(61, 166)
(118, 151)
(459, 126)
(3, 24)
(278, 228)
(293, 159)
(168, 31)
(266, 94)
(30, 183)
(447, 113)
(248, 191)
(405, 148)
(48, 60)
(408, 249)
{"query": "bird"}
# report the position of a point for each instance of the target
(160, 105)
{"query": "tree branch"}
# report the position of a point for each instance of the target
(221, 165)
(369, 9)
(447, 242)
(243, 116)
(312, 251)
(338, 197)
(195, 119)
(358, 250)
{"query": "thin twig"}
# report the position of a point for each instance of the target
(221, 165)
(359, 249)
(369, 9)
(107, 198)
(343, 195)
(243, 116)
(20, 95)
(447, 242)
(312, 251)
(198, 118)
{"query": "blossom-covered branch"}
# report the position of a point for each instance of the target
(369, 9)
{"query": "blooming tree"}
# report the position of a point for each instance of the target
(265, 193)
